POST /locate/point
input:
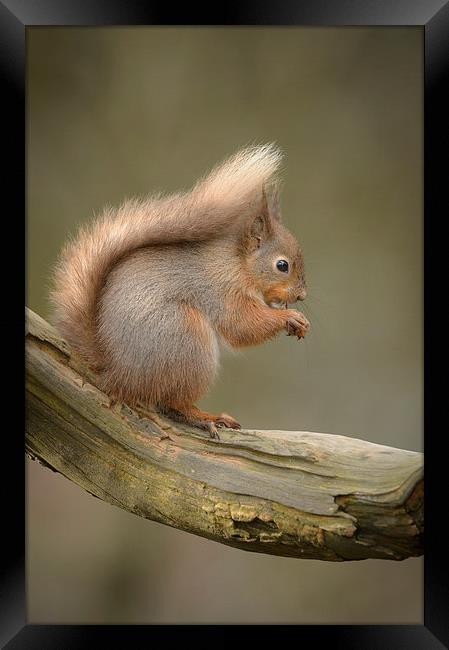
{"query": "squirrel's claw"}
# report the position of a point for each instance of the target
(213, 432)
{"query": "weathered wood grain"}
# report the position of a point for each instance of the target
(299, 494)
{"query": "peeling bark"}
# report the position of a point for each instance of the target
(297, 494)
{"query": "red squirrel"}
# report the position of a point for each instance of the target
(150, 290)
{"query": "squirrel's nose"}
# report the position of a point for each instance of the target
(301, 294)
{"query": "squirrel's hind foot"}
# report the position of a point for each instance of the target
(193, 416)
(225, 420)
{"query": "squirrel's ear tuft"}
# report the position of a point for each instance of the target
(260, 227)
(275, 209)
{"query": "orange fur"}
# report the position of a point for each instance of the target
(250, 323)
(276, 292)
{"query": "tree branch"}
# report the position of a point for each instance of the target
(298, 494)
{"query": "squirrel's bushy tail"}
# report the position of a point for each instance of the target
(207, 210)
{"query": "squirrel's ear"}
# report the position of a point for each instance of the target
(260, 227)
(275, 210)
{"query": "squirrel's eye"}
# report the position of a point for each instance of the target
(282, 265)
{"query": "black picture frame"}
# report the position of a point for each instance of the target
(15, 17)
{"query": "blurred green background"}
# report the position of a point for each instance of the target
(117, 112)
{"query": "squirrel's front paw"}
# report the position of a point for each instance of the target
(297, 324)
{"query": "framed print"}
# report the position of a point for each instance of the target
(293, 159)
